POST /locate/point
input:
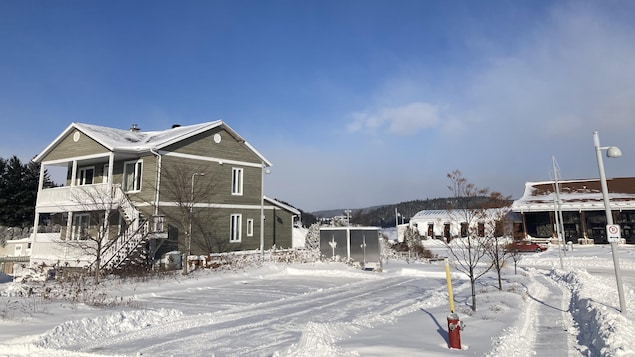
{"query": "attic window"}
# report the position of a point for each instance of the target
(76, 136)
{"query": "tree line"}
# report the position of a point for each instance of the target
(18, 191)
(384, 216)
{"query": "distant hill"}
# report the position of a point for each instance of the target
(384, 215)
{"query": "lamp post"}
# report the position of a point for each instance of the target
(611, 151)
(189, 230)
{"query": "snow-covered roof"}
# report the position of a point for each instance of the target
(576, 195)
(120, 140)
(282, 205)
(432, 215)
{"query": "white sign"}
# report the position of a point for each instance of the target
(613, 233)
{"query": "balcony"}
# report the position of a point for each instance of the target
(79, 198)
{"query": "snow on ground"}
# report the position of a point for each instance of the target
(331, 309)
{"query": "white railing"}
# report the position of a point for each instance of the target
(130, 212)
(119, 250)
(85, 197)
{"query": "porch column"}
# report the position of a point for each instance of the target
(74, 174)
(522, 215)
(36, 220)
(111, 164)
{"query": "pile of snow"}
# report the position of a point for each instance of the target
(94, 329)
(605, 331)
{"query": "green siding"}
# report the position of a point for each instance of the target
(203, 144)
(68, 148)
(216, 184)
(211, 228)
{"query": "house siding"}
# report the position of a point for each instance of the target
(68, 148)
(211, 229)
(203, 144)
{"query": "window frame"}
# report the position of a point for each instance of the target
(81, 175)
(235, 227)
(250, 227)
(77, 226)
(238, 174)
(136, 176)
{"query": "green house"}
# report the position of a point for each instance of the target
(131, 195)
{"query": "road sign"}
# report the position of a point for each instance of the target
(613, 233)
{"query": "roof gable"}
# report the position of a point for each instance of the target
(119, 140)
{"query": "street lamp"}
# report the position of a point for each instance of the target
(611, 151)
(265, 170)
(189, 231)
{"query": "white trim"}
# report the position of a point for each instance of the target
(54, 142)
(75, 158)
(210, 159)
(264, 160)
(204, 205)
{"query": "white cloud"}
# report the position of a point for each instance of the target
(404, 120)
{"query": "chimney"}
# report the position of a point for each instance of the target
(135, 128)
(175, 125)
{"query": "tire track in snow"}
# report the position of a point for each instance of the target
(258, 324)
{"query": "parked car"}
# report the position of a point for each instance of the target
(527, 246)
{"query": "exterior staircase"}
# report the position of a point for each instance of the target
(129, 249)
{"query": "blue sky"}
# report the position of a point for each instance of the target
(356, 103)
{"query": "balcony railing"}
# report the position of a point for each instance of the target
(74, 198)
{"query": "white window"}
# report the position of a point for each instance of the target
(85, 176)
(250, 227)
(81, 222)
(237, 181)
(132, 176)
(235, 228)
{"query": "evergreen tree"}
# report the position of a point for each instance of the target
(18, 191)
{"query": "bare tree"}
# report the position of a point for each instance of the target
(499, 231)
(205, 226)
(516, 256)
(470, 249)
(93, 230)
(185, 185)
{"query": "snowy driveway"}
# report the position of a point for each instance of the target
(330, 309)
(264, 328)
